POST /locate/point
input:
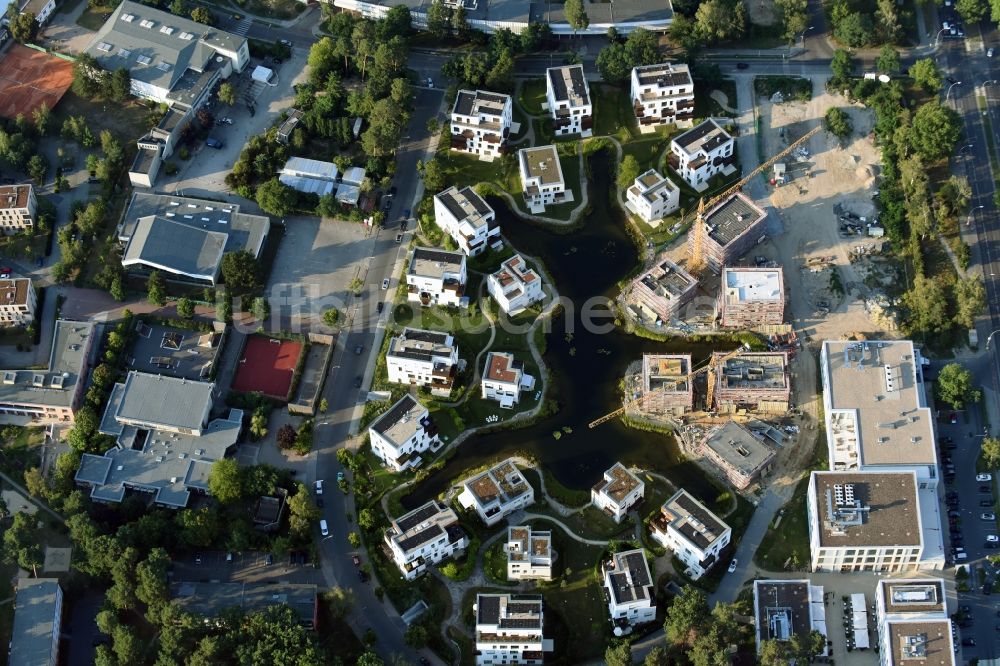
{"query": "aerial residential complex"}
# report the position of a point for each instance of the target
(758, 381)
(515, 286)
(17, 302)
(496, 493)
(660, 293)
(481, 123)
(463, 215)
(665, 380)
(741, 457)
(18, 208)
(751, 297)
(662, 94)
(509, 629)
(786, 608)
(426, 535)
(692, 532)
(402, 433)
(542, 178)
(568, 97)
(733, 226)
(423, 358)
(504, 378)
(704, 151)
(629, 589)
(618, 491)
(652, 197)
(529, 553)
(913, 622)
(436, 277)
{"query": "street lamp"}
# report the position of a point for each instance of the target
(802, 36)
(973, 212)
(989, 338)
(946, 95)
(937, 37)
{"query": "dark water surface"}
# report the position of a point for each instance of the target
(586, 367)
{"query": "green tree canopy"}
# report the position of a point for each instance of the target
(934, 131)
(956, 386)
(991, 452)
(276, 198)
(687, 613)
(925, 74)
(576, 15)
(240, 270)
(225, 481)
(970, 300)
(838, 123)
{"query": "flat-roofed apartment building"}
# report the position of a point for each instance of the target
(18, 206)
(423, 358)
(568, 97)
(480, 123)
(666, 384)
(38, 609)
(757, 381)
(661, 94)
(436, 277)
(426, 535)
(732, 228)
(786, 608)
(864, 521)
(504, 378)
(463, 215)
(509, 629)
(542, 178)
(52, 394)
(660, 293)
(496, 493)
(652, 197)
(17, 302)
(618, 491)
(913, 624)
(629, 589)
(529, 553)
(211, 599)
(878, 419)
(165, 442)
(751, 297)
(515, 286)
(692, 532)
(402, 433)
(743, 458)
(704, 151)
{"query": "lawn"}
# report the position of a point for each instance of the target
(93, 18)
(787, 538)
(126, 121)
(532, 96)
(21, 448)
(591, 523)
(463, 170)
(791, 87)
(705, 106)
(613, 114)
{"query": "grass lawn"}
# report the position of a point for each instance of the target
(125, 122)
(532, 96)
(93, 18)
(787, 538)
(705, 106)
(613, 114)
(465, 170)
(523, 120)
(791, 87)
(591, 523)
(21, 448)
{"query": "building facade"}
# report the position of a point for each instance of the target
(529, 553)
(504, 378)
(509, 629)
(658, 294)
(738, 454)
(751, 297)
(17, 302)
(569, 103)
(693, 533)
(18, 207)
(732, 228)
(913, 623)
(652, 197)
(666, 384)
(496, 493)
(515, 286)
(617, 492)
(427, 535)
(436, 277)
(755, 381)
(542, 178)
(402, 433)
(423, 358)
(704, 151)
(629, 589)
(481, 123)
(662, 94)
(463, 215)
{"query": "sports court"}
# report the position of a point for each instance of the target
(267, 366)
(30, 78)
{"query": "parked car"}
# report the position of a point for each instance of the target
(742, 65)
(989, 52)
(356, 560)
(357, 381)
(285, 42)
(385, 283)
(379, 307)
(269, 559)
(985, 489)
(992, 538)
(399, 238)
(984, 476)
(324, 529)
(732, 565)
(214, 143)
(319, 486)
(987, 515)
(953, 418)
(987, 503)
(358, 349)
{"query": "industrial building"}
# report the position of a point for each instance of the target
(658, 294)
(732, 227)
(666, 384)
(661, 94)
(911, 615)
(751, 297)
(786, 608)
(741, 457)
(754, 381)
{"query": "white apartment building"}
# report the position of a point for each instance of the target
(509, 629)
(787, 608)
(878, 418)
(17, 302)
(496, 493)
(481, 123)
(864, 521)
(542, 178)
(529, 553)
(423, 358)
(652, 197)
(911, 616)
(703, 151)
(504, 378)
(17, 208)
(618, 491)
(463, 215)
(515, 286)
(662, 93)
(692, 532)
(426, 535)
(436, 277)
(569, 103)
(402, 433)
(629, 590)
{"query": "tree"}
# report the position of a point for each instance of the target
(331, 316)
(642, 48)
(925, 74)
(887, 21)
(971, 11)
(854, 30)
(370, 659)
(838, 123)
(151, 578)
(397, 23)
(261, 308)
(887, 61)
(202, 15)
(618, 653)
(794, 17)
(612, 65)
(628, 171)
(774, 653)
(385, 124)
(156, 289)
(576, 15)
(416, 636)
(970, 301)
(956, 386)
(657, 657)
(928, 307)
(302, 512)
(501, 75)
(285, 436)
(38, 167)
(225, 481)
(23, 26)
(227, 93)
(842, 65)
(439, 20)
(684, 33)
(720, 20)
(240, 270)
(934, 131)
(119, 85)
(185, 308)
(366, 519)
(178, 8)
(991, 452)
(686, 614)
(354, 539)
(460, 23)
(276, 198)
(42, 118)
(434, 175)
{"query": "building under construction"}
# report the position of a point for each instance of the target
(659, 293)
(752, 381)
(732, 227)
(751, 297)
(666, 384)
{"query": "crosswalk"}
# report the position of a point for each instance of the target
(243, 27)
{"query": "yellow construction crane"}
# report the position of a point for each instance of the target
(696, 264)
(671, 384)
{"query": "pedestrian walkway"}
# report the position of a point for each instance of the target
(243, 27)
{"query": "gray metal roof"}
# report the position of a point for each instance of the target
(159, 242)
(55, 385)
(158, 401)
(36, 615)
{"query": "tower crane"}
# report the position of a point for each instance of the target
(671, 383)
(697, 261)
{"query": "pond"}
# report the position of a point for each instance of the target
(586, 366)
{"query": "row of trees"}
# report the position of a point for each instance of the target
(616, 60)
(854, 24)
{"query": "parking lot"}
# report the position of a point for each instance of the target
(250, 567)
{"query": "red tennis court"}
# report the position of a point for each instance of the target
(29, 78)
(267, 366)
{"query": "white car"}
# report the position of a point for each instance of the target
(992, 538)
(984, 477)
(989, 52)
(385, 283)
(732, 565)
(324, 529)
(319, 486)
(989, 515)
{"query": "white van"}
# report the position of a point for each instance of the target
(960, 557)
(323, 528)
